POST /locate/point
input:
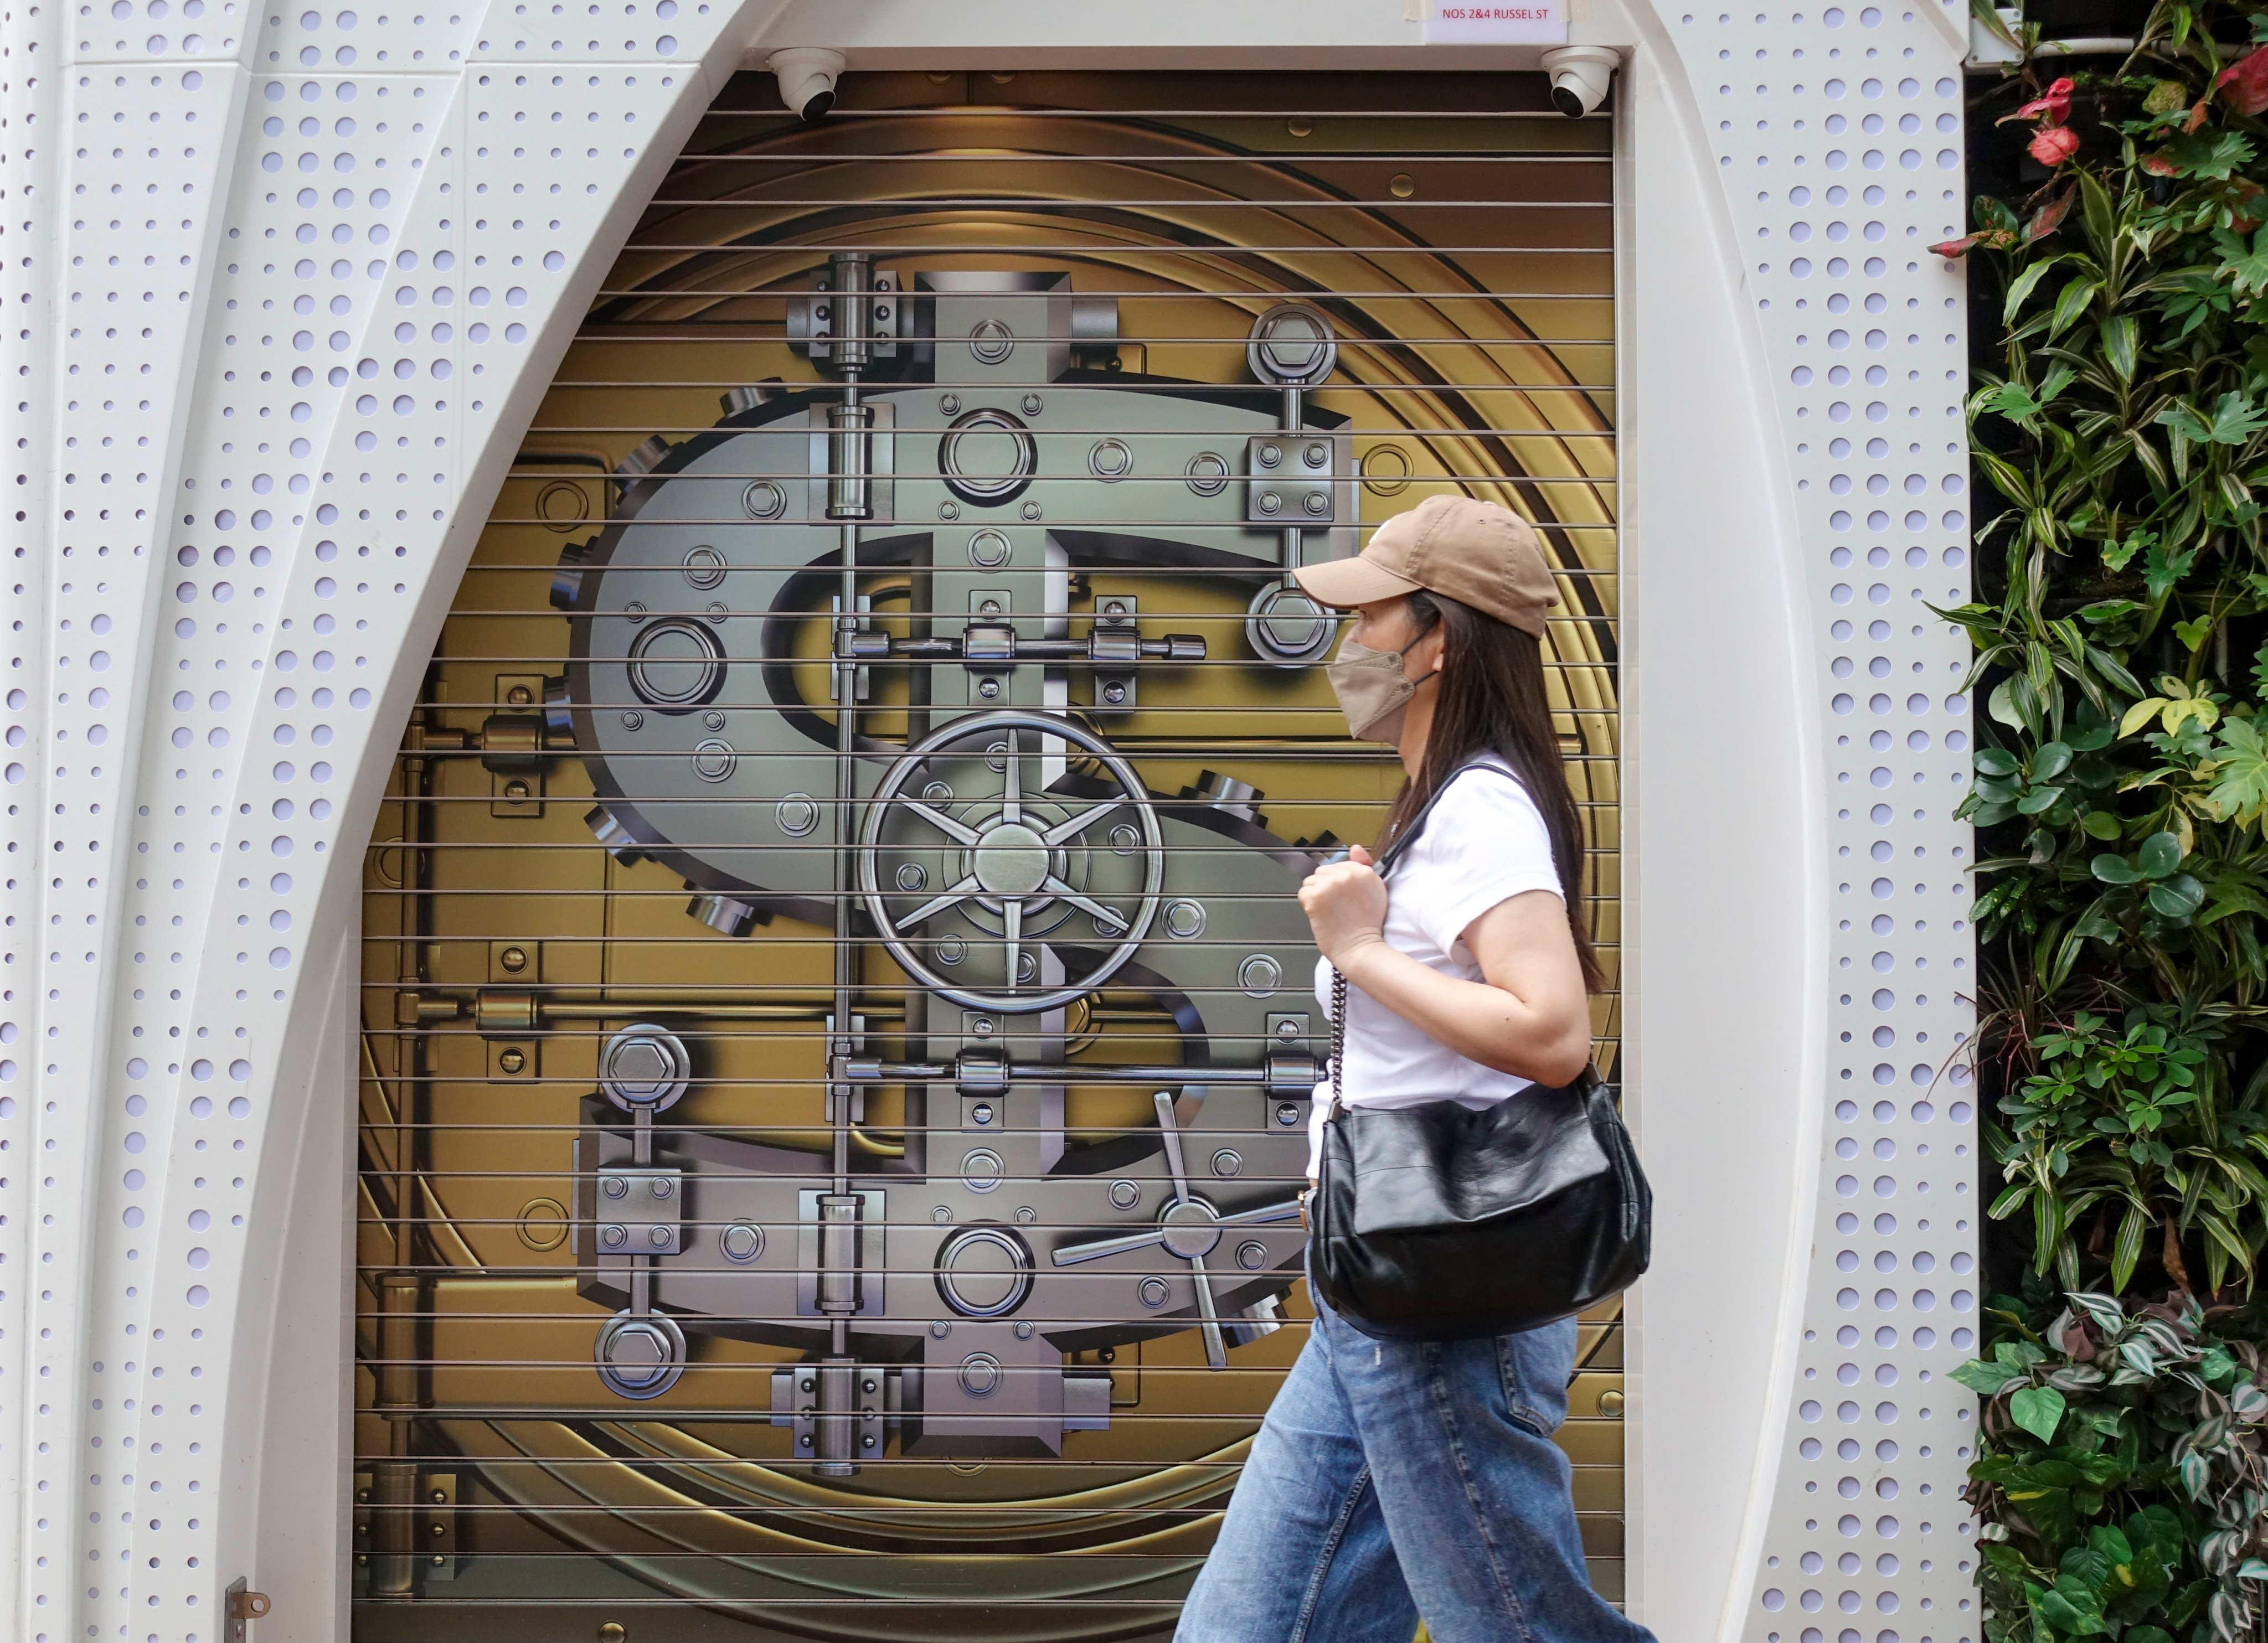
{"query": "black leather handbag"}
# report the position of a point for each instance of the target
(1443, 1221)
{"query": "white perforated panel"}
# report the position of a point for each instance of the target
(1837, 133)
(288, 294)
(275, 316)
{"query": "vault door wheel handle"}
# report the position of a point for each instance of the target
(1011, 857)
(1189, 1227)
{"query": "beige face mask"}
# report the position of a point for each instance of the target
(1373, 691)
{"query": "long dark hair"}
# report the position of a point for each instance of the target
(1492, 701)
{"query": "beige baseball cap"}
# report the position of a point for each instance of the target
(1477, 553)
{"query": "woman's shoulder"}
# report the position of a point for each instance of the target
(1485, 813)
(1485, 842)
(1486, 786)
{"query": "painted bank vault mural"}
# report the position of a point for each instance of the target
(837, 1026)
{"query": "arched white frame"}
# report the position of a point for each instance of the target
(269, 270)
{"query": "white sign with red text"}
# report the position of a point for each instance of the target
(1483, 23)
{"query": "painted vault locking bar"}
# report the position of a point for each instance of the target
(844, 1044)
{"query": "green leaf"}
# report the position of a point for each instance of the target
(2177, 897)
(2234, 419)
(2230, 899)
(2192, 633)
(2209, 153)
(1995, 761)
(2072, 302)
(1992, 215)
(2012, 400)
(2193, 297)
(2246, 265)
(2122, 346)
(2022, 287)
(2157, 1527)
(2126, 1249)
(2161, 570)
(2113, 869)
(2159, 855)
(2071, 1608)
(2240, 772)
(2100, 825)
(2117, 556)
(2038, 1409)
(2109, 1544)
(2053, 759)
(1987, 1378)
(2185, 423)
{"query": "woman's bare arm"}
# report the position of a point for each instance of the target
(1530, 1017)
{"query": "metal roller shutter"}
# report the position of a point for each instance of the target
(828, 1174)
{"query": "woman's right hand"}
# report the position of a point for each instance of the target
(1346, 905)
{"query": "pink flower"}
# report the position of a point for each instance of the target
(2054, 108)
(2053, 145)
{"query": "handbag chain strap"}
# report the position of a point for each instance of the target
(1338, 1040)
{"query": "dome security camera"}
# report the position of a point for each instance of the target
(1581, 77)
(808, 77)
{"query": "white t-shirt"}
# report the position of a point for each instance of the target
(1484, 843)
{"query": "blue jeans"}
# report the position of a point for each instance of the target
(1397, 1479)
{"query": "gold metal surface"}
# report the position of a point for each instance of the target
(1458, 234)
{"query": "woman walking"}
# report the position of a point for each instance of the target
(1395, 1479)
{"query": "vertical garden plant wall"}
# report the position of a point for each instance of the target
(2119, 270)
